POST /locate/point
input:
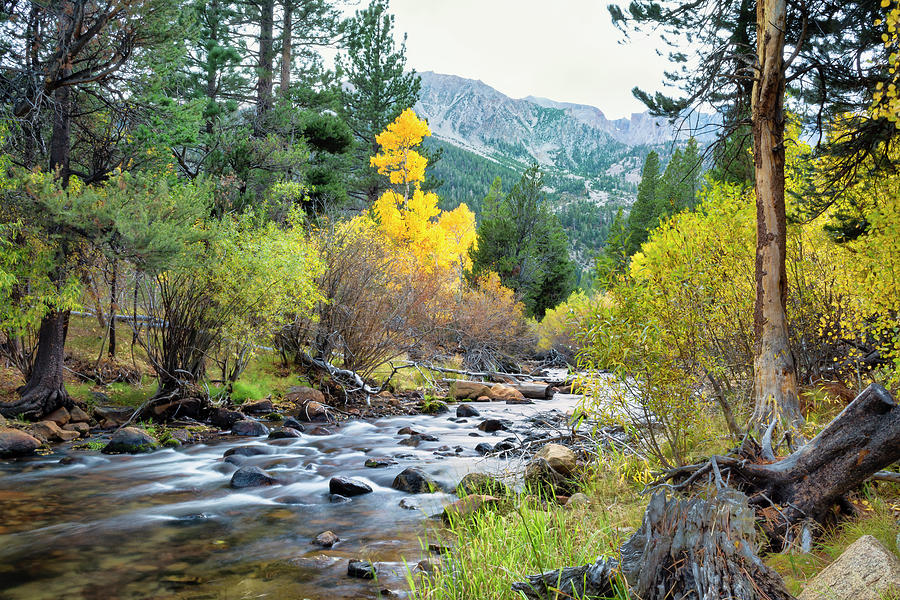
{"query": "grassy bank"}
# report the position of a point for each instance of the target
(491, 550)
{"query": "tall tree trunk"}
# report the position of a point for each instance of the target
(211, 66)
(264, 67)
(45, 390)
(59, 139)
(286, 33)
(113, 305)
(775, 376)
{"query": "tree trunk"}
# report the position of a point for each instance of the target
(45, 390)
(212, 86)
(286, 33)
(264, 67)
(691, 548)
(59, 139)
(807, 485)
(775, 376)
(113, 305)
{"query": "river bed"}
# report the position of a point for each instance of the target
(167, 525)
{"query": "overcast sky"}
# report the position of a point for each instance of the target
(565, 50)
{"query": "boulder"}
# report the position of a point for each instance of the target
(345, 486)
(482, 483)
(408, 431)
(380, 462)
(320, 431)
(504, 448)
(82, 429)
(17, 443)
(561, 459)
(49, 431)
(130, 440)
(312, 412)
(224, 418)
(60, 416)
(326, 539)
(115, 414)
(464, 410)
(361, 569)
(247, 451)
(249, 428)
(78, 416)
(100, 397)
(301, 395)
(469, 389)
(284, 433)
(414, 481)
(435, 407)
(484, 448)
(260, 407)
(865, 571)
(468, 506)
(246, 477)
(190, 408)
(482, 399)
(491, 425)
(415, 440)
(501, 393)
(293, 423)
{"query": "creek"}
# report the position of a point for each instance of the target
(167, 525)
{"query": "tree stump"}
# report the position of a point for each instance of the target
(703, 549)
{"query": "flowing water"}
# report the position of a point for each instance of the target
(167, 525)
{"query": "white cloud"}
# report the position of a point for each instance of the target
(566, 50)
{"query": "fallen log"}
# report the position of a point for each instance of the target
(685, 548)
(807, 485)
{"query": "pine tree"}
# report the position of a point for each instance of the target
(379, 89)
(644, 216)
(520, 240)
(614, 257)
(680, 182)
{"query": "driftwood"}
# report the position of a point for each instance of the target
(695, 548)
(807, 485)
(462, 388)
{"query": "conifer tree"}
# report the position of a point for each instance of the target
(520, 240)
(379, 88)
(644, 216)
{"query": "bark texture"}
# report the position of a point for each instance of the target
(775, 376)
(264, 65)
(45, 390)
(286, 59)
(806, 485)
(685, 549)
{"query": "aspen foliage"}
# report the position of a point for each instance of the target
(680, 319)
(410, 217)
(886, 100)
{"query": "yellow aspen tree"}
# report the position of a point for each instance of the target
(409, 217)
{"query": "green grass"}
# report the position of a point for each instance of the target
(523, 536)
